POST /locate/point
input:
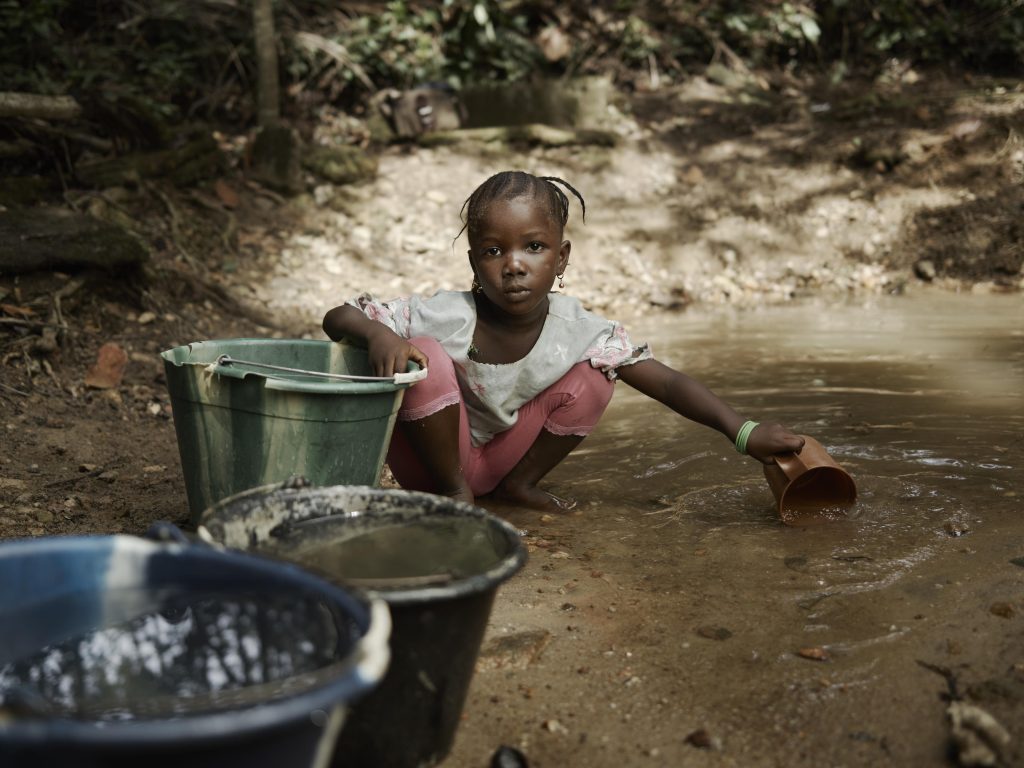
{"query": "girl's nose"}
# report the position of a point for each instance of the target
(514, 264)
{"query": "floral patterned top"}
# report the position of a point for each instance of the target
(494, 393)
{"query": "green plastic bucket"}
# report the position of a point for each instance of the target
(248, 412)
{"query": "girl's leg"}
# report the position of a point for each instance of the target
(430, 445)
(549, 427)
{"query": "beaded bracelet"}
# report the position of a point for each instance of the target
(744, 434)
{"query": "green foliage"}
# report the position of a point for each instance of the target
(182, 58)
(167, 54)
(766, 33)
(987, 34)
(398, 46)
(484, 41)
(405, 44)
(638, 42)
(27, 33)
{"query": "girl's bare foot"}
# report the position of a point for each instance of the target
(531, 497)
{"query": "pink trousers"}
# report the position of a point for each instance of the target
(571, 406)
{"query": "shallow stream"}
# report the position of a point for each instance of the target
(823, 645)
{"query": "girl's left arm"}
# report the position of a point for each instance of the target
(692, 400)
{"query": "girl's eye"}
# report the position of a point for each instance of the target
(535, 246)
(493, 251)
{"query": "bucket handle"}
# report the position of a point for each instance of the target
(410, 377)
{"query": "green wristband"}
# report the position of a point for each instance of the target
(743, 434)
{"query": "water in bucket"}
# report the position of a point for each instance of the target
(426, 551)
(186, 654)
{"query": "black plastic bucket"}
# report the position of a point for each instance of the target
(84, 614)
(410, 720)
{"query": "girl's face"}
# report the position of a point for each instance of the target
(515, 253)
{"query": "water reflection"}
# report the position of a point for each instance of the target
(192, 652)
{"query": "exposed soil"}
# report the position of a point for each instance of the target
(712, 195)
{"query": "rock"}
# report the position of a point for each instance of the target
(553, 726)
(344, 164)
(508, 757)
(925, 270)
(693, 176)
(1002, 609)
(44, 516)
(703, 740)
(575, 102)
(108, 371)
(11, 484)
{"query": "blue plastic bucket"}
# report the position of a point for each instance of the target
(69, 603)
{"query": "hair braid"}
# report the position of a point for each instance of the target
(511, 184)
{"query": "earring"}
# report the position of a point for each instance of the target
(476, 287)
(561, 282)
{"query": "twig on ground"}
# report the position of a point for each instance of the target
(261, 190)
(15, 390)
(30, 323)
(176, 235)
(79, 477)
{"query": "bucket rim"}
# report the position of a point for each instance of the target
(483, 581)
(279, 382)
(357, 673)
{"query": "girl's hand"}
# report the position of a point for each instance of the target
(768, 439)
(389, 353)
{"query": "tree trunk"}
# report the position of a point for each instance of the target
(268, 97)
(34, 105)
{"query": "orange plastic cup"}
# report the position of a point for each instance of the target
(809, 486)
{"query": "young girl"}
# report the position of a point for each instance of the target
(517, 375)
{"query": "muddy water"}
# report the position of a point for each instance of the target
(696, 609)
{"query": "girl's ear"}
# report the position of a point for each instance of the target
(563, 257)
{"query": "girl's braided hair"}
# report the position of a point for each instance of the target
(511, 184)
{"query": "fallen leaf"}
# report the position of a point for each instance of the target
(225, 193)
(12, 309)
(108, 369)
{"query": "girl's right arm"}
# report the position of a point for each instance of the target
(692, 400)
(388, 352)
